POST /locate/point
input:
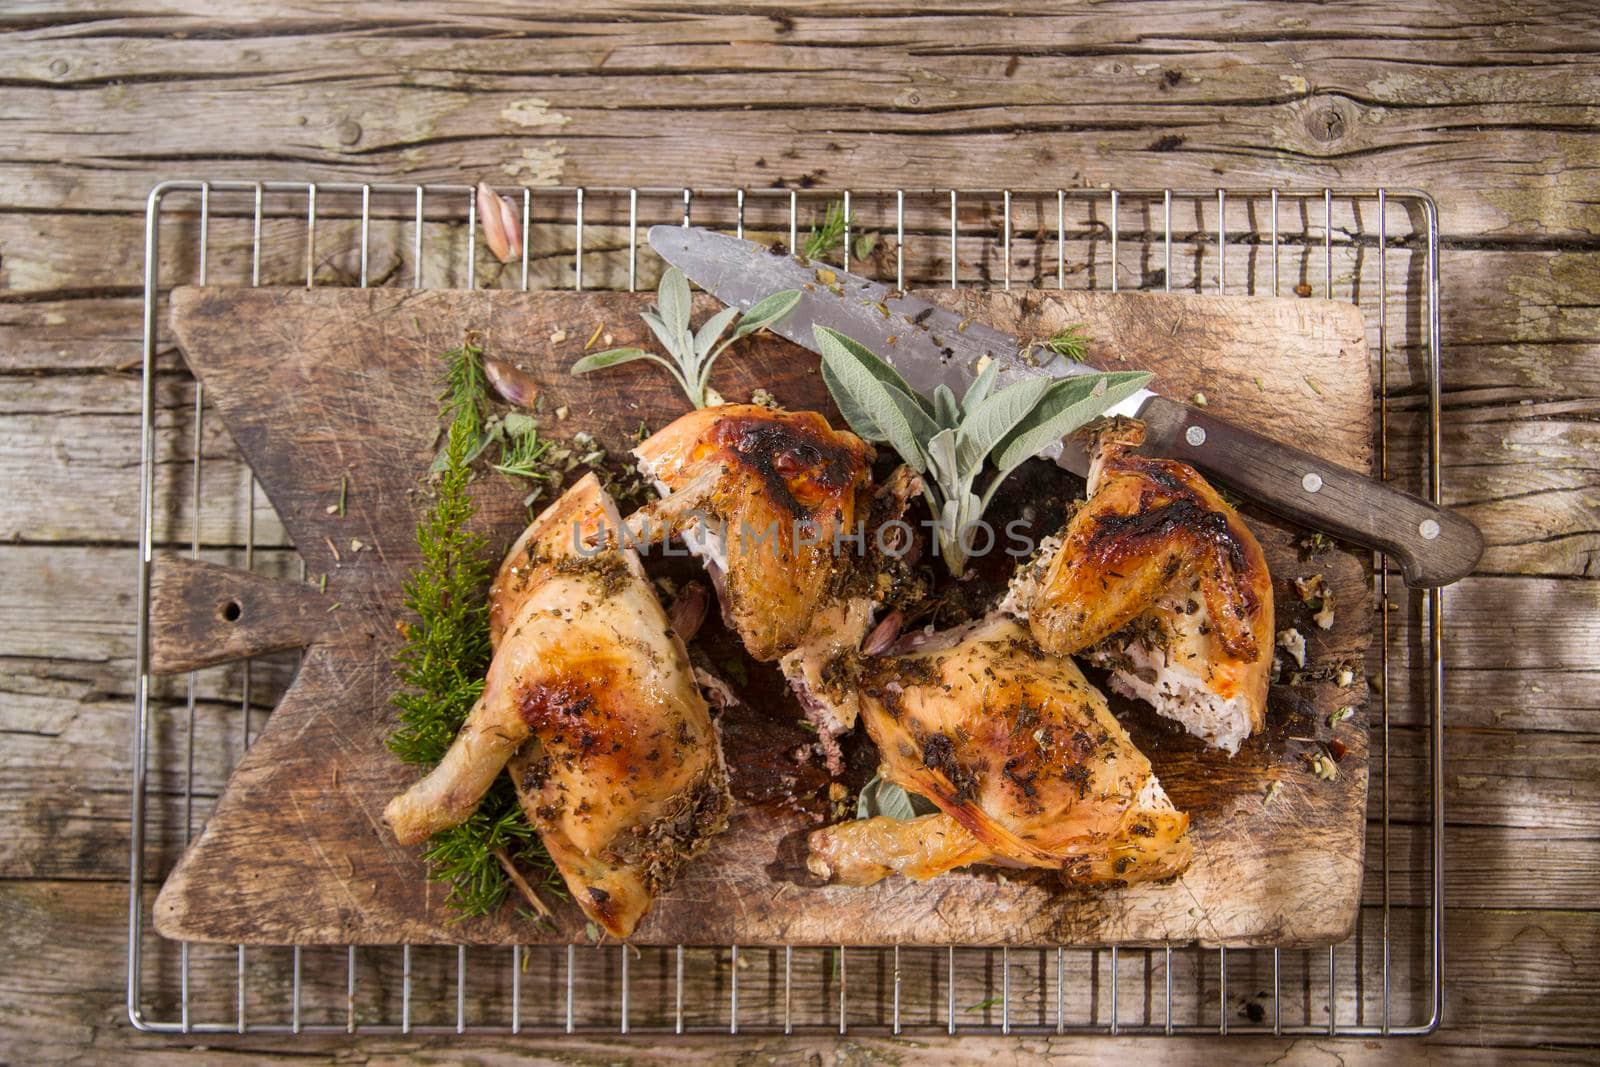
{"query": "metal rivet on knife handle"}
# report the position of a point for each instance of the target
(1195, 435)
(1429, 529)
(1311, 482)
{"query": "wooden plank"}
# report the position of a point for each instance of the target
(319, 773)
(1519, 978)
(1524, 342)
(1512, 334)
(1306, 101)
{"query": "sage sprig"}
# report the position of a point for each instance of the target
(951, 442)
(692, 353)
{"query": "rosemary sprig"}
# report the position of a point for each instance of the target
(525, 454)
(828, 233)
(1071, 342)
(466, 389)
(463, 857)
(441, 666)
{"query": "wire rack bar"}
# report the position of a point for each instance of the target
(927, 989)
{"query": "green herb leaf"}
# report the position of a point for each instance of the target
(1071, 342)
(440, 668)
(951, 443)
(711, 330)
(942, 462)
(825, 236)
(981, 386)
(766, 311)
(893, 410)
(883, 797)
(880, 370)
(856, 416)
(945, 409)
(611, 357)
(673, 300)
(865, 245)
(692, 355)
(991, 421)
(1071, 403)
(664, 333)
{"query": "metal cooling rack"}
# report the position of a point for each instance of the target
(1376, 247)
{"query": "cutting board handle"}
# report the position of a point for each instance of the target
(202, 614)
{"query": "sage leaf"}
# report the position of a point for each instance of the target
(981, 386)
(945, 408)
(611, 357)
(892, 410)
(881, 797)
(941, 449)
(672, 297)
(692, 354)
(765, 312)
(856, 415)
(1071, 403)
(663, 332)
(991, 421)
(951, 443)
(711, 330)
(879, 369)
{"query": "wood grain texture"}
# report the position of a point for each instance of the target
(827, 94)
(1486, 107)
(293, 852)
(203, 614)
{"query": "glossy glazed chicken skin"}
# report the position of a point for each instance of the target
(617, 762)
(1158, 578)
(759, 495)
(1023, 759)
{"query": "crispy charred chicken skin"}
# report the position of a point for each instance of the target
(1158, 578)
(780, 508)
(617, 762)
(1022, 757)
(760, 495)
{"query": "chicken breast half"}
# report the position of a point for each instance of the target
(1158, 578)
(1025, 762)
(617, 762)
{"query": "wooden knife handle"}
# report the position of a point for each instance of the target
(1434, 545)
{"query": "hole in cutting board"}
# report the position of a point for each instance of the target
(230, 611)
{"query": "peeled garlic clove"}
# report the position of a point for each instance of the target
(512, 385)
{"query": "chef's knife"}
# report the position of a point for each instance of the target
(929, 346)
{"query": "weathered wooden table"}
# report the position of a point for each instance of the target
(1492, 110)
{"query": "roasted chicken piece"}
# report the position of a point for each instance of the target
(817, 668)
(619, 767)
(1022, 757)
(1158, 578)
(760, 496)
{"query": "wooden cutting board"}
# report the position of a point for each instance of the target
(328, 385)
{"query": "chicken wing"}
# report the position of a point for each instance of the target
(619, 767)
(1161, 580)
(766, 499)
(1022, 757)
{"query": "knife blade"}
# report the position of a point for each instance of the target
(930, 346)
